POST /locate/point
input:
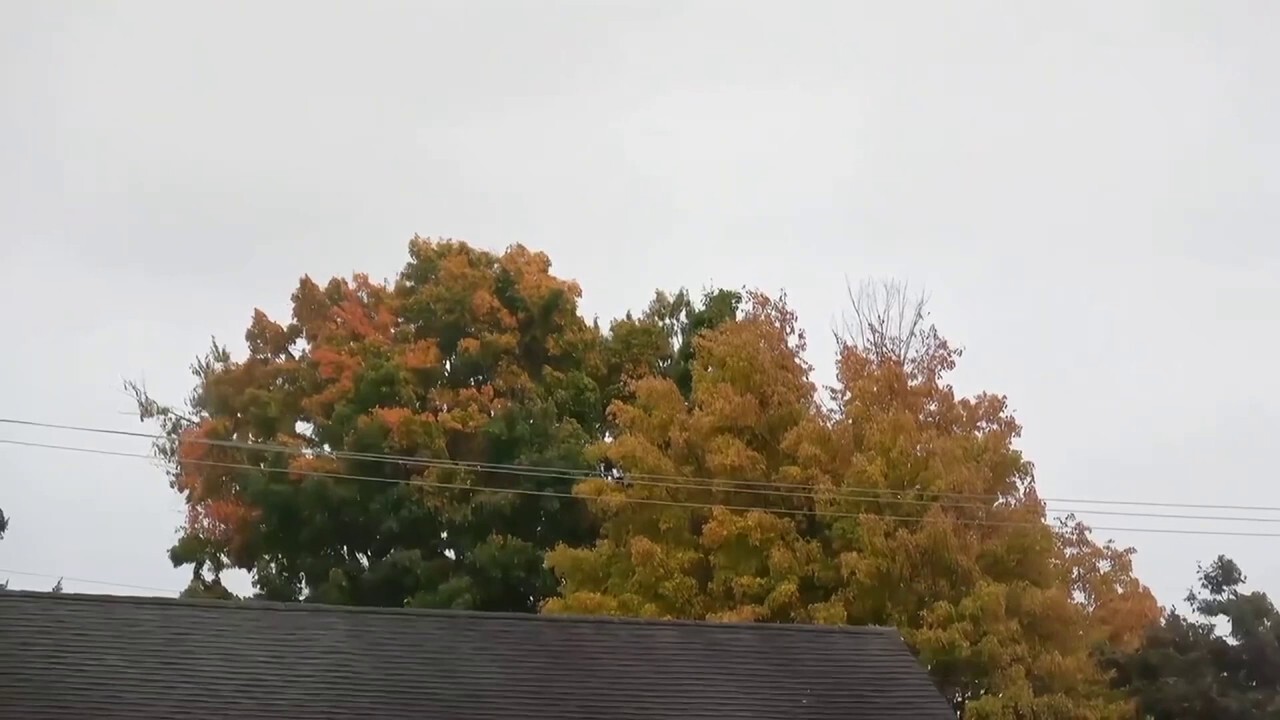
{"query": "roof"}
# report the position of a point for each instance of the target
(65, 655)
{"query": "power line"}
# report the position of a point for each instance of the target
(868, 494)
(623, 498)
(844, 493)
(86, 581)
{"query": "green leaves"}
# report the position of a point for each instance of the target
(369, 451)
(1187, 668)
(468, 356)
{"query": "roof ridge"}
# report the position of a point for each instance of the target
(276, 606)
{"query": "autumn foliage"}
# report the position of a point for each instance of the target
(329, 463)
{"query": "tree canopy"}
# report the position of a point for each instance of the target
(467, 357)
(1220, 662)
(431, 441)
(862, 524)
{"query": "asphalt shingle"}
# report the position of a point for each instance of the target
(90, 656)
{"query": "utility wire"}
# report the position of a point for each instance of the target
(719, 485)
(651, 479)
(620, 498)
(869, 494)
(86, 581)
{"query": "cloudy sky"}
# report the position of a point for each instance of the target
(1088, 191)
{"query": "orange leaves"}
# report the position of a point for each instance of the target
(393, 418)
(333, 364)
(204, 474)
(304, 467)
(358, 310)
(197, 459)
(337, 370)
(362, 323)
(484, 304)
(469, 346)
(1102, 580)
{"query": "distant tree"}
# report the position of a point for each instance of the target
(205, 589)
(1187, 668)
(4, 525)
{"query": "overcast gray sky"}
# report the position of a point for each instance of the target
(1088, 190)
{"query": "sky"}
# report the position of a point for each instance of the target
(1088, 192)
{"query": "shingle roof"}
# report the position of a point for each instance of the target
(90, 656)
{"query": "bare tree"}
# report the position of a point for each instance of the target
(888, 322)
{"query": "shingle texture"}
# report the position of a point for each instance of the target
(87, 656)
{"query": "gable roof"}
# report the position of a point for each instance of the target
(64, 655)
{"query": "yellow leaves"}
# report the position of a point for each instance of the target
(755, 361)
(990, 606)
(422, 355)
(533, 278)
(757, 527)
(741, 613)
(640, 577)
(655, 415)
(586, 603)
(784, 598)
(1102, 581)
(608, 500)
(466, 409)
(723, 408)
(784, 562)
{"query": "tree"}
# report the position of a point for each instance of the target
(467, 357)
(4, 527)
(1189, 669)
(660, 342)
(749, 393)
(861, 523)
